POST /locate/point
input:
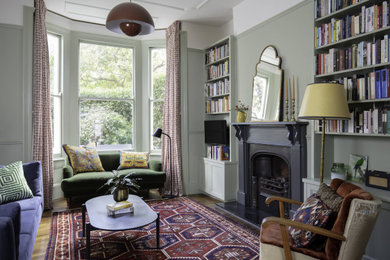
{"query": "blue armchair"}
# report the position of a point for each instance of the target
(19, 220)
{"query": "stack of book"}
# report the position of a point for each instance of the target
(120, 208)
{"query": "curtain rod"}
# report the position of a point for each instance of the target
(81, 21)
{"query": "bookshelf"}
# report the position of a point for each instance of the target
(352, 48)
(220, 163)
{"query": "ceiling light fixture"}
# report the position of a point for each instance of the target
(130, 19)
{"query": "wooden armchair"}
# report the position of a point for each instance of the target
(346, 240)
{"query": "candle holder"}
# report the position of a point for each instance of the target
(286, 111)
(293, 110)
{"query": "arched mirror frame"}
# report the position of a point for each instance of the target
(277, 101)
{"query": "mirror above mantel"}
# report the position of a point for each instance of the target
(267, 87)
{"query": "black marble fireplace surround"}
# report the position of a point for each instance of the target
(272, 161)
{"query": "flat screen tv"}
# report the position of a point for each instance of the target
(216, 132)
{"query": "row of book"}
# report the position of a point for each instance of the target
(218, 105)
(326, 7)
(370, 121)
(357, 56)
(370, 19)
(217, 53)
(217, 88)
(216, 71)
(373, 85)
(219, 152)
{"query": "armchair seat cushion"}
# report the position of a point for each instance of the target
(272, 235)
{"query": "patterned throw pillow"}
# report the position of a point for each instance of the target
(83, 159)
(13, 184)
(330, 197)
(314, 212)
(133, 160)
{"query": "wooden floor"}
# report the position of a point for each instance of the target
(43, 236)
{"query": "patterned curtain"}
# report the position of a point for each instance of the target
(42, 138)
(171, 112)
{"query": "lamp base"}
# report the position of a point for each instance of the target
(169, 196)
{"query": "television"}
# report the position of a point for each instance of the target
(216, 132)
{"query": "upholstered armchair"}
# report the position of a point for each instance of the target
(346, 239)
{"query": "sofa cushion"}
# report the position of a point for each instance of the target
(85, 182)
(144, 174)
(110, 160)
(314, 212)
(83, 159)
(133, 160)
(13, 184)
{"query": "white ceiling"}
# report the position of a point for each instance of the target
(164, 12)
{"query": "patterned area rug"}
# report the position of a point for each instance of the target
(188, 230)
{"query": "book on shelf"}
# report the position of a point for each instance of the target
(368, 86)
(219, 87)
(119, 205)
(219, 152)
(368, 121)
(217, 53)
(218, 70)
(218, 105)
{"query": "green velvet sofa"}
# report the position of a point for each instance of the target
(86, 184)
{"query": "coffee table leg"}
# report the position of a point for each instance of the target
(83, 209)
(158, 230)
(88, 240)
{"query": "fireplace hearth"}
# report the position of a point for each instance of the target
(272, 162)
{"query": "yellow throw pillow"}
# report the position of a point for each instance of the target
(83, 159)
(133, 160)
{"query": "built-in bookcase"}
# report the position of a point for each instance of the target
(352, 48)
(220, 162)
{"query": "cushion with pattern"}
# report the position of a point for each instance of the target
(83, 158)
(133, 160)
(313, 212)
(13, 184)
(330, 197)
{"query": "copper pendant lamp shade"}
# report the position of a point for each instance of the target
(130, 19)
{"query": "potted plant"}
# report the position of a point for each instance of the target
(241, 114)
(119, 186)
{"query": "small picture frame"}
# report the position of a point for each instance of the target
(357, 167)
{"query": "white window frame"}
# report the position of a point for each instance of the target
(152, 100)
(111, 147)
(59, 95)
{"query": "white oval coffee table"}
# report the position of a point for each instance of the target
(98, 219)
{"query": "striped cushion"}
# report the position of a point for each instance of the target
(133, 160)
(13, 184)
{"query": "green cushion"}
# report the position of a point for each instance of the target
(147, 175)
(13, 184)
(85, 182)
(110, 160)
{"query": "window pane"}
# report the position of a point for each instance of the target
(157, 110)
(56, 123)
(106, 122)
(54, 60)
(106, 71)
(158, 69)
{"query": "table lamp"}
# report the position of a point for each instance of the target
(324, 101)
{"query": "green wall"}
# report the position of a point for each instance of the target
(291, 33)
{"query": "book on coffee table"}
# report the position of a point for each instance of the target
(119, 205)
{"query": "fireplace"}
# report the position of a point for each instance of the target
(272, 162)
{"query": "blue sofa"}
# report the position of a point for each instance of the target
(19, 220)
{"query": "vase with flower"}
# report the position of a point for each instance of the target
(241, 111)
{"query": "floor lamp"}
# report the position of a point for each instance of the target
(324, 101)
(158, 134)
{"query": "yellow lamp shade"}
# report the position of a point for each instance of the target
(324, 101)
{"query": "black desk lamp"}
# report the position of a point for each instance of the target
(158, 134)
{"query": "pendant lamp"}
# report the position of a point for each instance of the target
(130, 19)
